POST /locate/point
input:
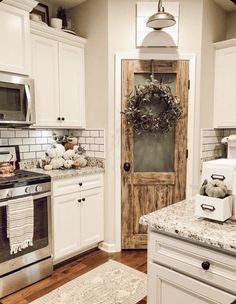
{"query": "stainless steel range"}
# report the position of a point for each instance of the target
(35, 262)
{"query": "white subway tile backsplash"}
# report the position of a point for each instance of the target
(47, 133)
(94, 133)
(29, 155)
(99, 141)
(89, 140)
(85, 133)
(35, 148)
(7, 134)
(4, 141)
(15, 141)
(28, 141)
(24, 148)
(94, 147)
(41, 140)
(35, 133)
(22, 133)
(34, 143)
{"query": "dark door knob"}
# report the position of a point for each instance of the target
(127, 166)
(79, 201)
(58, 118)
(63, 118)
(206, 265)
(83, 199)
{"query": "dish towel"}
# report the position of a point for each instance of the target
(20, 223)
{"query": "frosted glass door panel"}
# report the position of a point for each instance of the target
(155, 152)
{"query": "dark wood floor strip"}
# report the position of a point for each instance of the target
(70, 270)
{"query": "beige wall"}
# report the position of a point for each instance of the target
(213, 30)
(90, 21)
(231, 25)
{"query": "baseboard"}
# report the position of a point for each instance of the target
(108, 247)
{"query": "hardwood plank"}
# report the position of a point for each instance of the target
(73, 268)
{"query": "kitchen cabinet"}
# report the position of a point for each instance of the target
(225, 77)
(181, 272)
(78, 221)
(58, 70)
(15, 36)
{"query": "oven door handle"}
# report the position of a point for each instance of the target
(42, 195)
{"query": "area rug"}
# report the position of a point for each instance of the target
(110, 283)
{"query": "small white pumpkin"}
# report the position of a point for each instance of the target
(69, 154)
(216, 188)
(68, 163)
(57, 163)
(80, 162)
(48, 167)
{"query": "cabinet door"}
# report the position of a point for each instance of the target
(45, 73)
(92, 226)
(166, 286)
(225, 94)
(72, 99)
(66, 225)
(15, 40)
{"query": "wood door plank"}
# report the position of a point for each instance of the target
(154, 178)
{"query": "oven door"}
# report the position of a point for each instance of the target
(16, 100)
(41, 248)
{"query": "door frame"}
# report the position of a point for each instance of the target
(191, 120)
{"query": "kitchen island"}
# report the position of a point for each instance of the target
(190, 260)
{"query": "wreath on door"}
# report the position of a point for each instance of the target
(139, 111)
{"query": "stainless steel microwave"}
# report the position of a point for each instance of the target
(17, 105)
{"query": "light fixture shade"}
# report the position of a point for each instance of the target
(161, 20)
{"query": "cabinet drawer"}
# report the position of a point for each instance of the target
(166, 286)
(188, 258)
(75, 184)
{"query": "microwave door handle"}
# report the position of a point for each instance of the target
(29, 103)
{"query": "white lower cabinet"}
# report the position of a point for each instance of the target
(180, 272)
(167, 286)
(91, 217)
(78, 221)
(66, 214)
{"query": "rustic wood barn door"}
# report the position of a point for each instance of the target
(153, 166)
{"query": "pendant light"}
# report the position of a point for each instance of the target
(161, 19)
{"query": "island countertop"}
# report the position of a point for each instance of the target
(179, 220)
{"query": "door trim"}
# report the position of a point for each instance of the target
(191, 120)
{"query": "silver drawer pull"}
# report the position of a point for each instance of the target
(208, 207)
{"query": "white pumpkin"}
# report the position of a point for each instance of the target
(80, 162)
(57, 163)
(69, 154)
(48, 167)
(68, 163)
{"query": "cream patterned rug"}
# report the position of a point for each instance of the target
(110, 283)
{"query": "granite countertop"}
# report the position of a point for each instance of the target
(67, 173)
(179, 220)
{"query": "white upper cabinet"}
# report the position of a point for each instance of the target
(45, 74)
(71, 67)
(15, 36)
(225, 79)
(58, 71)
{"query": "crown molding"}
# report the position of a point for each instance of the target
(58, 35)
(26, 5)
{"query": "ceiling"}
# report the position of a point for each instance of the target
(227, 5)
(66, 3)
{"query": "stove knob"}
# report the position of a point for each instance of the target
(28, 190)
(38, 188)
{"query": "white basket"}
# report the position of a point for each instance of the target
(213, 208)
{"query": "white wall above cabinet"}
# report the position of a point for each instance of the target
(58, 71)
(225, 78)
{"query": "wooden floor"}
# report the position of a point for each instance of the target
(68, 271)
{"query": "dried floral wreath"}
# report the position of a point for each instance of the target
(139, 112)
